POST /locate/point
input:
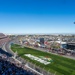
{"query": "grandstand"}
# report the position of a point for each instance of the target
(2, 35)
(3, 39)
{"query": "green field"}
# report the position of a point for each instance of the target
(60, 65)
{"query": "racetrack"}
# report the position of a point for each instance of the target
(66, 68)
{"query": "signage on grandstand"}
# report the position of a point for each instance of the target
(40, 59)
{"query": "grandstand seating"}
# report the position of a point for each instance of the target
(3, 39)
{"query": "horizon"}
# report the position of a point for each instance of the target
(37, 16)
(38, 33)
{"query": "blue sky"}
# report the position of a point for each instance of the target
(37, 16)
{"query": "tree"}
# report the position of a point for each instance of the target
(55, 45)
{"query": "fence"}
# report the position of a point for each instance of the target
(34, 66)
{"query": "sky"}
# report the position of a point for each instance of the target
(37, 16)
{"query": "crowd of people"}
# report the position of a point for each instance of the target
(9, 66)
